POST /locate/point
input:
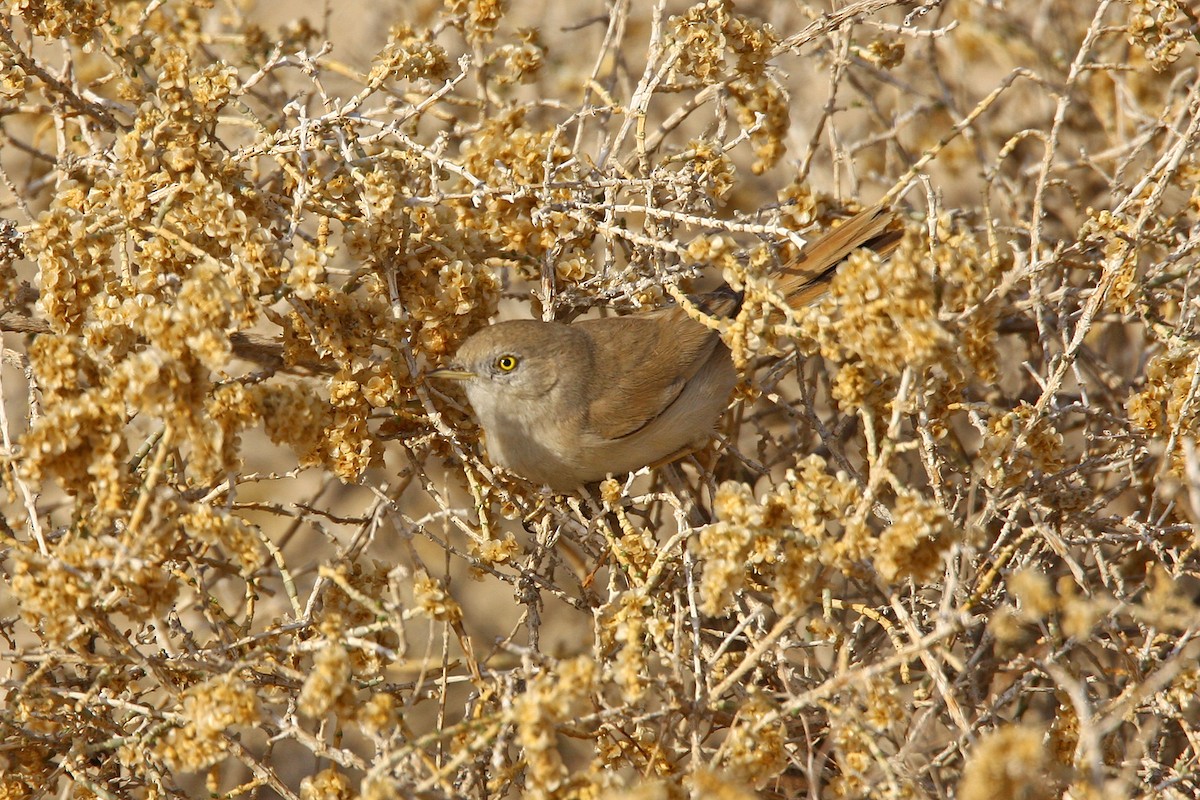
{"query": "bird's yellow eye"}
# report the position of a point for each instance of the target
(506, 363)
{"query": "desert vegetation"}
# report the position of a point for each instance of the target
(943, 544)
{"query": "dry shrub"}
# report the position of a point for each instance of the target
(945, 541)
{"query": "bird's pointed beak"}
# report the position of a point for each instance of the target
(452, 373)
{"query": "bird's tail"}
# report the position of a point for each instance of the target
(806, 278)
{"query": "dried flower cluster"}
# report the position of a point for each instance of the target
(945, 543)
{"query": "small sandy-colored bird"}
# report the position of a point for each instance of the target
(567, 404)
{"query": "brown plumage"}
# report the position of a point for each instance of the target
(567, 404)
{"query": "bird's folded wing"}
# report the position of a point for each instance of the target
(657, 354)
